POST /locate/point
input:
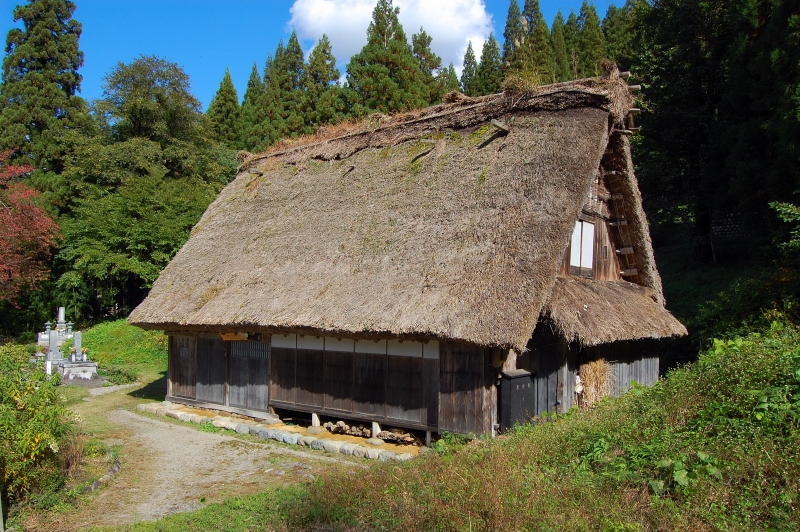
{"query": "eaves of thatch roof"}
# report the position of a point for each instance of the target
(447, 223)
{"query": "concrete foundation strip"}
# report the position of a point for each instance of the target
(167, 408)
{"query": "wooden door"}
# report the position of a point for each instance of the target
(211, 370)
(248, 375)
(182, 366)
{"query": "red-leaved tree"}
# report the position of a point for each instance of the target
(27, 234)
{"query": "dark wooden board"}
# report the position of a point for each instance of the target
(463, 389)
(404, 392)
(310, 377)
(182, 366)
(283, 365)
(238, 371)
(211, 370)
(258, 384)
(369, 389)
(339, 377)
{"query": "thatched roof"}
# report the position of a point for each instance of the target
(433, 224)
(596, 312)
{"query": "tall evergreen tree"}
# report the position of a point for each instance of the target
(489, 75)
(539, 48)
(223, 112)
(428, 62)
(40, 83)
(469, 73)
(618, 29)
(324, 102)
(384, 74)
(448, 79)
(560, 58)
(572, 41)
(247, 114)
(591, 41)
(514, 37)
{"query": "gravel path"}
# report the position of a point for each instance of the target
(168, 467)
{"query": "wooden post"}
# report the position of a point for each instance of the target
(428, 438)
(314, 420)
(376, 429)
(510, 363)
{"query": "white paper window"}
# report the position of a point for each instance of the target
(581, 252)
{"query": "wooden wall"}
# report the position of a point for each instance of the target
(467, 394)
(392, 382)
(554, 364)
(447, 387)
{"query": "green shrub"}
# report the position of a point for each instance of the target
(34, 424)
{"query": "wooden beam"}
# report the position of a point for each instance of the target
(500, 125)
(618, 223)
(634, 88)
(625, 75)
(617, 196)
(626, 251)
(622, 132)
(629, 272)
(634, 111)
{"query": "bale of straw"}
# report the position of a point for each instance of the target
(598, 381)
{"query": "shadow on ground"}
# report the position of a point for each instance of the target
(155, 390)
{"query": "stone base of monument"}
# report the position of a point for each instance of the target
(77, 370)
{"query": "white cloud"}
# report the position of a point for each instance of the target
(451, 24)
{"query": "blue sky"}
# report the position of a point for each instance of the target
(206, 36)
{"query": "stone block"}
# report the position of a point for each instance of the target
(219, 423)
(150, 408)
(197, 419)
(373, 454)
(385, 456)
(243, 428)
(314, 431)
(359, 451)
(318, 444)
(305, 440)
(255, 429)
(277, 435)
(332, 446)
(173, 414)
(375, 441)
(186, 417)
(141, 407)
(404, 456)
(347, 449)
(167, 403)
(290, 438)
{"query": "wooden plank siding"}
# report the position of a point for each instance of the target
(211, 376)
(554, 364)
(182, 365)
(467, 398)
(411, 384)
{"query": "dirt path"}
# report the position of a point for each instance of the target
(169, 467)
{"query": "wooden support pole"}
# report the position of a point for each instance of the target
(625, 75)
(314, 420)
(634, 88)
(625, 251)
(629, 272)
(634, 111)
(428, 438)
(376, 429)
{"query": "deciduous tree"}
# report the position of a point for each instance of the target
(28, 235)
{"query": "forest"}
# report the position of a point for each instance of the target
(98, 196)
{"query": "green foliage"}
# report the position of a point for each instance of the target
(223, 112)
(117, 344)
(40, 83)
(325, 101)
(489, 75)
(572, 42)
(385, 74)
(429, 64)
(115, 375)
(619, 30)
(561, 62)
(469, 74)
(34, 423)
(591, 41)
(247, 115)
(538, 46)
(513, 37)
(448, 79)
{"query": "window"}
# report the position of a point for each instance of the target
(581, 253)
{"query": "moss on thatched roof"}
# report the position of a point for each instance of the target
(434, 224)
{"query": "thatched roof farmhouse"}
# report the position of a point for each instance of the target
(391, 271)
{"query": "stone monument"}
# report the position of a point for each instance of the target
(77, 365)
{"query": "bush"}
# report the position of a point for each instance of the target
(34, 423)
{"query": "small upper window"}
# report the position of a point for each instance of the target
(581, 253)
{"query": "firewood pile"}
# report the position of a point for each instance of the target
(340, 427)
(401, 438)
